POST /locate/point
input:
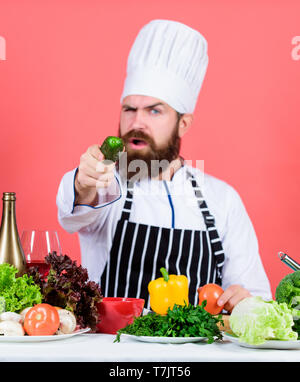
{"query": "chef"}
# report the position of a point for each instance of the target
(154, 209)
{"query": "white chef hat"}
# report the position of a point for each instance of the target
(168, 61)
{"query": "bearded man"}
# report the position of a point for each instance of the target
(154, 210)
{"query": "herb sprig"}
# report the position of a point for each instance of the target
(181, 321)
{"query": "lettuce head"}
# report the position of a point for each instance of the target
(254, 321)
(17, 293)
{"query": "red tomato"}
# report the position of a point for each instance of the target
(211, 293)
(41, 320)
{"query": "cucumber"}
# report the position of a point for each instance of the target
(111, 147)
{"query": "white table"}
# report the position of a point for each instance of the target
(101, 348)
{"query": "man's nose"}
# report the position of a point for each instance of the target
(139, 120)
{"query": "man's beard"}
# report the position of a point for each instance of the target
(153, 161)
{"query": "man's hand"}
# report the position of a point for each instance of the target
(232, 295)
(92, 173)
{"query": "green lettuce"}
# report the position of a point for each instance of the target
(254, 321)
(18, 292)
(2, 304)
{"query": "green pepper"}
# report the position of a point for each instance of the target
(111, 147)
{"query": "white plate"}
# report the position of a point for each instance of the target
(165, 340)
(42, 338)
(270, 344)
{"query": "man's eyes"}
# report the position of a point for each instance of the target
(154, 111)
(151, 111)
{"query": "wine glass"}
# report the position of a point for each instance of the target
(38, 244)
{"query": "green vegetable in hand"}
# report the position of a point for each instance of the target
(254, 321)
(18, 292)
(111, 147)
(288, 291)
(181, 321)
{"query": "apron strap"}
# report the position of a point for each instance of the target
(128, 202)
(208, 218)
(215, 241)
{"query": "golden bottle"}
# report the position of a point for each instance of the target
(10, 245)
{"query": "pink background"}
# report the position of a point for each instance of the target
(62, 79)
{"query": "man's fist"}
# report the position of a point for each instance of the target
(93, 172)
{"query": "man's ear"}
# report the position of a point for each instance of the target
(185, 123)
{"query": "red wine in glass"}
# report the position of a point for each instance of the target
(37, 245)
(42, 267)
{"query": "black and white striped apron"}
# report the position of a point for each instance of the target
(139, 251)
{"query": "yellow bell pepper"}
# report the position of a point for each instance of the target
(168, 290)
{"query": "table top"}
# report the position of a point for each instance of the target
(91, 347)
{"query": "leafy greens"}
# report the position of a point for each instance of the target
(181, 321)
(67, 286)
(288, 291)
(18, 292)
(254, 321)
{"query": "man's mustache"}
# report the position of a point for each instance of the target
(138, 134)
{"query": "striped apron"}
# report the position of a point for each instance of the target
(139, 251)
